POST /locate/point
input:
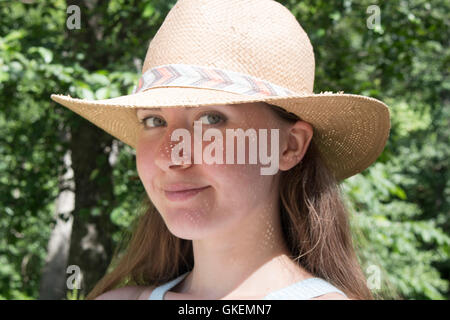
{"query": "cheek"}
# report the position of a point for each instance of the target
(238, 186)
(145, 160)
(242, 185)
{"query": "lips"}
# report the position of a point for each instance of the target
(181, 192)
(181, 187)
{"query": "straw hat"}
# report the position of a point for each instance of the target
(215, 52)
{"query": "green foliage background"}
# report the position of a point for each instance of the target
(399, 206)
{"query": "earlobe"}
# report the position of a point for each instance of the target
(289, 160)
(296, 143)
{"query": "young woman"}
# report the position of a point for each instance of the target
(226, 230)
(243, 235)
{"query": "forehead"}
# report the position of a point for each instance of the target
(176, 108)
(247, 106)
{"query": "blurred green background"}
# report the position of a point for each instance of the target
(67, 189)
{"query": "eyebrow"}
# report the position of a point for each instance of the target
(155, 109)
(193, 107)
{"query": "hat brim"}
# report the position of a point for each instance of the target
(350, 130)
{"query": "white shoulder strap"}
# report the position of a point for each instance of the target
(159, 292)
(304, 290)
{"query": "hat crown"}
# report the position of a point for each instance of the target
(260, 38)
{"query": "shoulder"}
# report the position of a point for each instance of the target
(331, 296)
(127, 293)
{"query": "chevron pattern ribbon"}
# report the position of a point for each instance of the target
(183, 75)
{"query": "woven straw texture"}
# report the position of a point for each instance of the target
(262, 39)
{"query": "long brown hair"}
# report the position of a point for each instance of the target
(315, 224)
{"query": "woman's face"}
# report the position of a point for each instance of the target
(226, 193)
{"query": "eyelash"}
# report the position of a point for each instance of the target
(221, 120)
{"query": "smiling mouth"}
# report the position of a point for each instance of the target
(183, 195)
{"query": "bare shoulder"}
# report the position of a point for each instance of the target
(127, 293)
(331, 296)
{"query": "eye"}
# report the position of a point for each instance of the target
(212, 118)
(152, 121)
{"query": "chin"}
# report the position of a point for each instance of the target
(188, 224)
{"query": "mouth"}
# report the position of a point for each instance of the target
(182, 195)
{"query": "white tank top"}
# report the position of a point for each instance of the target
(303, 290)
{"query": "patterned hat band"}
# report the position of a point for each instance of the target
(206, 77)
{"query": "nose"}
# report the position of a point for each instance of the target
(166, 157)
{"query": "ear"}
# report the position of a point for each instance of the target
(297, 139)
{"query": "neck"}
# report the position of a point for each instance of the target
(245, 260)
